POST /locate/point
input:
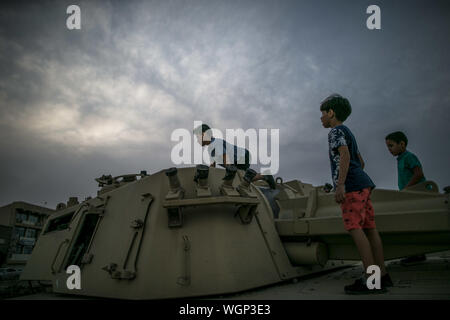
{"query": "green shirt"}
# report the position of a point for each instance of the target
(406, 162)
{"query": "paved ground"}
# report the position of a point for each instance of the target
(426, 280)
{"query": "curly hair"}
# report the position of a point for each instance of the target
(202, 129)
(397, 137)
(340, 105)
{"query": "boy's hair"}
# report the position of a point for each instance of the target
(340, 105)
(397, 136)
(201, 129)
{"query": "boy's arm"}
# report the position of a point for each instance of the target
(344, 164)
(417, 176)
(361, 160)
(412, 163)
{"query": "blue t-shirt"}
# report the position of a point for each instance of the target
(356, 178)
(235, 155)
(406, 162)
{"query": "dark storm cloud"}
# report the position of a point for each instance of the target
(105, 99)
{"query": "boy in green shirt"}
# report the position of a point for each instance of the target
(408, 165)
(409, 172)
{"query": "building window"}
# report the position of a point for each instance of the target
(27, 249)
(18, 249)
(33, 218)
(20, 217)
(19, 232)
(30, 233)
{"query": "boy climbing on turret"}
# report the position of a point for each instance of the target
(223, 153)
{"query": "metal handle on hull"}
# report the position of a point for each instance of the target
(185, 279)
(57, 254)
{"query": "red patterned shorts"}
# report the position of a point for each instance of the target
(357, 210)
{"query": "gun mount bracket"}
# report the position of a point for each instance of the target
(120, 275)
(175, 216)
(246, 213)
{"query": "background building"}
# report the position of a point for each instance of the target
(20, 226)
(5, 238)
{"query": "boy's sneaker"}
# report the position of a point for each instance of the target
(386, 281)
(271, 181)
(413, 260)
(360, 287)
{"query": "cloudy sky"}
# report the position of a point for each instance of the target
(76, 104)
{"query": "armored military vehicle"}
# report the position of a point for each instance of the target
(203, 231)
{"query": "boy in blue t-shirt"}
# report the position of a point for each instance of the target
(352, 191)
(409, 171)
